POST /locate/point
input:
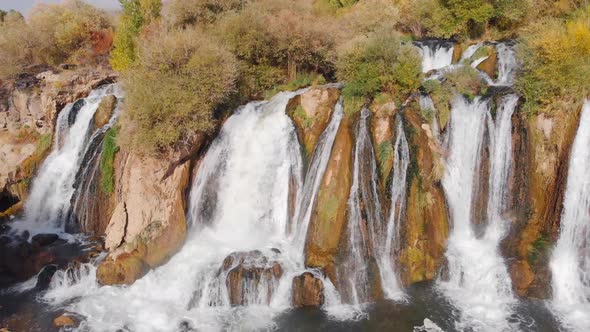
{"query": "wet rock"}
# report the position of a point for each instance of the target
(63, 321)
(308, 291)
(122, 270)
(488, 66)
(329, 216)
(251, 277)
(311, 112)
(44, 239)
(104, 111)
(44, 277)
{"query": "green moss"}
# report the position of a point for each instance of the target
(384, 156)
(301, 116)
(539, 248)
(352, 103)
(107, 158)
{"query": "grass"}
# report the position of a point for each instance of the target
(301, 81)
(107, 159)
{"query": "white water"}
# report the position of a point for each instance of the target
(435, 56)
(388, 243)
(240, 202)
(48, 204)
(507, 64)
(570, 261)
(479, 284)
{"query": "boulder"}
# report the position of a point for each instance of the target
(489, 65)
(63, 321)
(308, 291)
(105, 111)
(45, 276)
(246, 273)
(44, 239)
(122, 270)
(328, 218)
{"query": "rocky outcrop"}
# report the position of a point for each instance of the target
(329, 216)
(28, 110)
(307, 291)
(149, 218)
(251, 277)
(105, 111)
(382, 135)
(425, 230)
(489, 65)
(549, 140)
(311, 112)
(122, 270)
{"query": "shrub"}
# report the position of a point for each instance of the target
(17, 45)
(379, 63)
(465, 81)
(272, 37)
(179, 79)
(425, 18)
(136, 14)
(556, 62)
(64, 31)
(184, 13)
(107, 159)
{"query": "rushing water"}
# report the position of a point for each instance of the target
(570, 262)
(239, 203)
(435, 54)
(507, 64)
(48, 205)
(478, 282)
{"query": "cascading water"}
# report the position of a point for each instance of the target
(363, 193)
(570, 261)
(387, 242)
(49, 202)
(435, 54)
(507, 64)
(478, 282)
(239, 219)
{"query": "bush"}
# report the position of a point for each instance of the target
(17, 45)
(180, 77)
(556, 62)
(136, 14)
(64, 31)
(184, 13)
(426, 18)
(272, 37)
(379, 63)
(465, 81)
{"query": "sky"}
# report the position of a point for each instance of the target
(24, 6)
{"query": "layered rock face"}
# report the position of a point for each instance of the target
(148, 221)
(308, 291)
(548, 141)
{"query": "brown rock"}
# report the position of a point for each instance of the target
(122, 270)
(104, 111)
(63, 321)
(247, 272)
(311, 112)
(425, 229)
(308, 291)
(488, 66)
(522, 277)
(329, 216)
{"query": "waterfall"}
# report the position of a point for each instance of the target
(363, 193)
(387, 243)
(435, 54)
(49, 202)
(507, 64)
(239, 230)
(570, 261)
(314, 175)
(478, 282)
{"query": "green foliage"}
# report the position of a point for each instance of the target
(379, 63)
(427, 18)
(539, 248)
(302, 81)
(179, 79)
(299, 114)
(136, 14)
(385, 157)
(556, 62)
(465, 81)
(107, 159)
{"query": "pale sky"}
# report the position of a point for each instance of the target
(24, 6)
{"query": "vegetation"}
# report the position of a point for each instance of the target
(556, 62)
(178, 80)
(72, 31)
(107, 160)
(136, 13)
(379, 63)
